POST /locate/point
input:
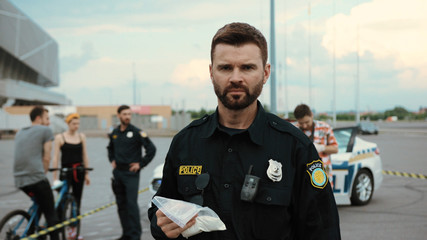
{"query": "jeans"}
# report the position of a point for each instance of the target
(43, 196)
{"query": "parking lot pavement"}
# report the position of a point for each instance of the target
(397, 211)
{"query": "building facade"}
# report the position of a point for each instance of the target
(29, 62)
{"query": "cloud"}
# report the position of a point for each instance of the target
(194, 74)
(387, 29)
(75, 61)
(102, 29)
(105, 72)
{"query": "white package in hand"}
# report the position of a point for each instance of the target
(179, 212)
(206, 221)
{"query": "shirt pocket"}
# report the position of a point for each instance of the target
(273, 194)
(271, 217)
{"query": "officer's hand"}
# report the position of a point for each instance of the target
(171, 229)
(134, 167)
(113, 164)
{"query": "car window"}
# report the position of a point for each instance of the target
(343, 137)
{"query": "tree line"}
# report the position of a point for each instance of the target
(400, 112)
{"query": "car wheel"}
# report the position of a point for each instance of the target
(363, 188)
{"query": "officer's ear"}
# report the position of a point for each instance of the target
(210, 72)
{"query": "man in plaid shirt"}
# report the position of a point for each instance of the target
(320, 133)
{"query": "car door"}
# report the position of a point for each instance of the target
(343, 173)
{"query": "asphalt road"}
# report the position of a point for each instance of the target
(397, 211)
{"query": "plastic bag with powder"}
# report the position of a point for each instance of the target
(181, 212)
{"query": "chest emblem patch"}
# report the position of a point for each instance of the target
(190, 170)
(317, 174)
(129, 134)
(274, 171)
(114, 136)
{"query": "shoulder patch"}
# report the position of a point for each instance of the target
(317, 174)
(143, 134)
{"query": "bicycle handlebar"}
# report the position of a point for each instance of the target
(65, 169)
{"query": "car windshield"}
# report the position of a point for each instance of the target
(368, 125)
(343, 137)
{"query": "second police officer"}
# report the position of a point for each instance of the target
(125, 156)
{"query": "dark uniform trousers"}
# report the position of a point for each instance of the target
(125, 187)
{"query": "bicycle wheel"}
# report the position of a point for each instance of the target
(13, 225)
(70, 210)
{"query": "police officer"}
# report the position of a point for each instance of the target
(265, 179)
(125, 155)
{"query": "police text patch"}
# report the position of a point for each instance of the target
(190, 170)
(317, 174)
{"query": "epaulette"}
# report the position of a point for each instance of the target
(199, 121)
(135, 129)
(282, 125)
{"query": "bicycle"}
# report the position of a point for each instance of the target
(18, 223)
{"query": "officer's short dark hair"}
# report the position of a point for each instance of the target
(37, 111)
(122, 107)
(301, 111)
(237, 34)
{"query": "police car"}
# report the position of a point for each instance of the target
(156, 179)
(357, 169)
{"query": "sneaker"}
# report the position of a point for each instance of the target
(80, 237)
(71, 233)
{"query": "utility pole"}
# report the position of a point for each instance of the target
(134, 84)
(285, 67)
(272, 60)
(334, 93)
(309, 57)
(357, 77)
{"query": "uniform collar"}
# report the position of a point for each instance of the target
(255, 130)
(126, 129)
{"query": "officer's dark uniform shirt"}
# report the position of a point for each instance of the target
(125, 147)
(299, 206)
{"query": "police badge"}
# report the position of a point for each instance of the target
(129, 134)
(317, 174)
(274, 171)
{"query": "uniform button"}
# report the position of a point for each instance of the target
(226, 185)
(269, 199)
(230, 150)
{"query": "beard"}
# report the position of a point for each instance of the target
(238, 102)
(124, 121)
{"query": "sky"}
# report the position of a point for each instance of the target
(373, 47)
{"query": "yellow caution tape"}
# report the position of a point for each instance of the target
(404, 174)
(71, 220)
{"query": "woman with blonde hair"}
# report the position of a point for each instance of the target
(71, 146)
